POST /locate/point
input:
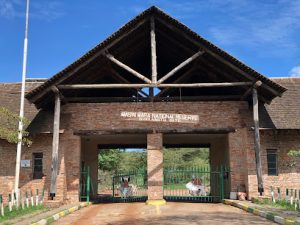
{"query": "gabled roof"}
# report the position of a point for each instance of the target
(157, 13)
(285, 111)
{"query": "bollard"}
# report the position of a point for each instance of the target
(42, 198)
(9, 202)
(31, 198)
(1, 206)
(27, 200)
(37, 197)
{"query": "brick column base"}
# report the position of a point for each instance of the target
(155, 166)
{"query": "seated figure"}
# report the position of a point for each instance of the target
(195, 187)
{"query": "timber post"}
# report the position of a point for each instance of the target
(257, 141)
(153, 57)
(55, 144)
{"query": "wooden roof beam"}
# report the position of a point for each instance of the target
(191, 85)
(221, 59)
(82, 65)
(178, 80)
(128, 69)
(180, 66)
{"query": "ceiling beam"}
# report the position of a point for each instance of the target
(90, 59)
(217, 56)
(178, 80)
(192, 85)
(180, 66)
(127, 68)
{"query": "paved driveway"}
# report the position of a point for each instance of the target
(170, 214)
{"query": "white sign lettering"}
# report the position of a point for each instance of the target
(160, 117)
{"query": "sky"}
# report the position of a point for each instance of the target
(264, 34)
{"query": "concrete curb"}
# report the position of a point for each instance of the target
(261, 213)
(61, 214)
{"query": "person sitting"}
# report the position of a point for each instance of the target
(195, 187)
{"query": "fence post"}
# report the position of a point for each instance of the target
(1, 205)
(37, 197)
(287, 195)
(272, 194)
(292, 197)
(27, 200)
(279, 194)
(113, 186)
(31, 198)
(15, 200)
(42, 198)
(88, 185)
(222, 182)
(21, 199)
(9, 202)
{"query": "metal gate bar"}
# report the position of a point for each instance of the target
(195, 184)
(130, 186)
(85, 184)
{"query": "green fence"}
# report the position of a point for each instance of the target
(197, 184)
(85, 185)
(130, 186)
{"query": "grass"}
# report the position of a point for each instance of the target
(278, 204)
(19, 212)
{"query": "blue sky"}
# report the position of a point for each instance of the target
(264, 34)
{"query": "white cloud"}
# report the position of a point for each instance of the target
(295, 72)
(42, 9)
(9, 8)
(270, 25)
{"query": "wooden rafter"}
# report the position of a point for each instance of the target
(192, 85)
(180, 66)
(218, 57)
(82, 65)
(127, 68)
(122, 79)
(153, 51)
(178, 80)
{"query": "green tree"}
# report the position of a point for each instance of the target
(109, 159)
(9, 126)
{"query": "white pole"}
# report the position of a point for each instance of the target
(20, 127)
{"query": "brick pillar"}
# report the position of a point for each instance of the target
(155, 166)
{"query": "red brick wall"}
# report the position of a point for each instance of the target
(92, 116)
(41, 143)
(282, 141)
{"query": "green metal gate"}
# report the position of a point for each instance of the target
(130, 187)
(85, 184)
(197, 184)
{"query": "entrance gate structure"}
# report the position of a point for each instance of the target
(156, 67)
(195, 184)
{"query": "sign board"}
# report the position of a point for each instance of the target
(160, 117)
(25, 163)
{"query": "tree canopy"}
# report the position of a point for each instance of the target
(9, 126)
